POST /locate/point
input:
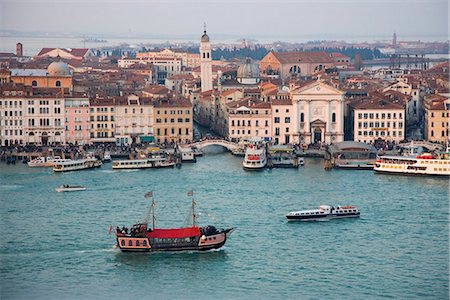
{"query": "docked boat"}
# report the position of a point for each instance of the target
(283, 156)
(141, 238)
(46, 161)
(70, 188)
(423, 164)
(107, 157)
(324, 212)
(255, 156)
(146, 163)
(75, 165)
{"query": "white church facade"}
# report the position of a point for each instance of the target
(319, 112)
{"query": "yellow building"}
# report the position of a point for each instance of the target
(173, 120)
(437, 116)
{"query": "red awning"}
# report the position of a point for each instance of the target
(174, 233)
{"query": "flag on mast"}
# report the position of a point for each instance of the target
(149, 194)
(190, 193)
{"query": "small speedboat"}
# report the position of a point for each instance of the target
(70, 188)
(324, 212)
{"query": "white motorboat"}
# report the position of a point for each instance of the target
(324, 212)
(46, 161)
(79, 164)
(70, 188)
(255, 156)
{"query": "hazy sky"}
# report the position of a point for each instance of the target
(315, 19)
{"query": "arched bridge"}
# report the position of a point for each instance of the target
(425, 144)
(216, 142)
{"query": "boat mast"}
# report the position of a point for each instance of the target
(191, 193)
(153, 214)
(151, 208)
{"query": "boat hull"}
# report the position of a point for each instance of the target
(198, 243)
(62, 190)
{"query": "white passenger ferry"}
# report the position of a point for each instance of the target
(75, 165)
(154, 162)
(423, 164)
(324, 212)
(46, 161)
(255, 156)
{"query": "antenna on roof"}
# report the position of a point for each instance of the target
(204, 27)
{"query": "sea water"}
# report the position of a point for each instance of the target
(58, 246)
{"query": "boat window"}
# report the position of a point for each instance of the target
(137, 243)
(130, 243)
(122, 242)
(144, 243)
(214, 238)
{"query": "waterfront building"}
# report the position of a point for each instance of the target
(319, 112)
(437, 116)
(102, 114)
(377, 118)
(284, 65)
(133, 120)
(249, 118)
(77, 120)
(12, 103)
(44, 116)
(284, 122)
(173, 120)
(205, 63)
(341, 61)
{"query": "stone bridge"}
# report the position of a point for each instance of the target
(425, 144)
(216, 142)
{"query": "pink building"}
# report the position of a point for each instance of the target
(77, 121)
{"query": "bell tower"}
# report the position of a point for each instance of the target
(205, 62)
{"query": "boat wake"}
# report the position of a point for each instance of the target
(10, 187)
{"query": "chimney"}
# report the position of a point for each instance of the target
(19, 49)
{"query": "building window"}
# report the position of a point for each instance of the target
(287, 120)
(58, 83)
(34, 83)
(333, 117)
(277, 120)
(302, 117)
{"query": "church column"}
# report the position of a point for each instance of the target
(328, 125)
(307, 121)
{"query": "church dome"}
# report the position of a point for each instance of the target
(205, 37)
(248, 73)
(58, 68)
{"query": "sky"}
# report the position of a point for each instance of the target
(311, 19)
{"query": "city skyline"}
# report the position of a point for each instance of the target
(343, 19)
